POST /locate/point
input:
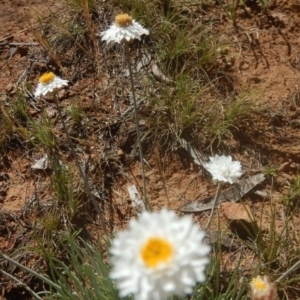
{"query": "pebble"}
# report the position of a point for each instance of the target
(9, 88)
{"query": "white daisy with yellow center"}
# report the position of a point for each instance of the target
(223, 169)
(259, 284)
(48, 84)
(123, 29)
(262, 289)
(158, 256)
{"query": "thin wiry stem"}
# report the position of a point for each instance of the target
(147, 205)
(86, 184)
(213, 207)
(289, 271)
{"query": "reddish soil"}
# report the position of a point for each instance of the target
(20, 15)
(264, 57)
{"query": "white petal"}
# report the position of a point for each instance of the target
(117, 34)
(47, 88)
(222, 168)
(177, 276)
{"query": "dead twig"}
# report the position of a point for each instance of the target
(18, 44)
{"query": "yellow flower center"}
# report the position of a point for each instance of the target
(123, 20)
(259, 284)
(156, 251)
(47, 77)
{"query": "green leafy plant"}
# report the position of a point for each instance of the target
(19, 108)
(222, 118)
(231, 9)
(76, 112)
(62, 188)
(41, 133)
(271, 170)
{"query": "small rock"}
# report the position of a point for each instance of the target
(51, 112)
(62, 94)
(41, 164)
(9, 88)
(237, 211)
(32, 112)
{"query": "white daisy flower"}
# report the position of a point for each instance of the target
(261, 288)
(222, 168)
(49, 83)
(158, 256)
(124, 28)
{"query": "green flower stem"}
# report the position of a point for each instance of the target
(147, 205)
(214, 206)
